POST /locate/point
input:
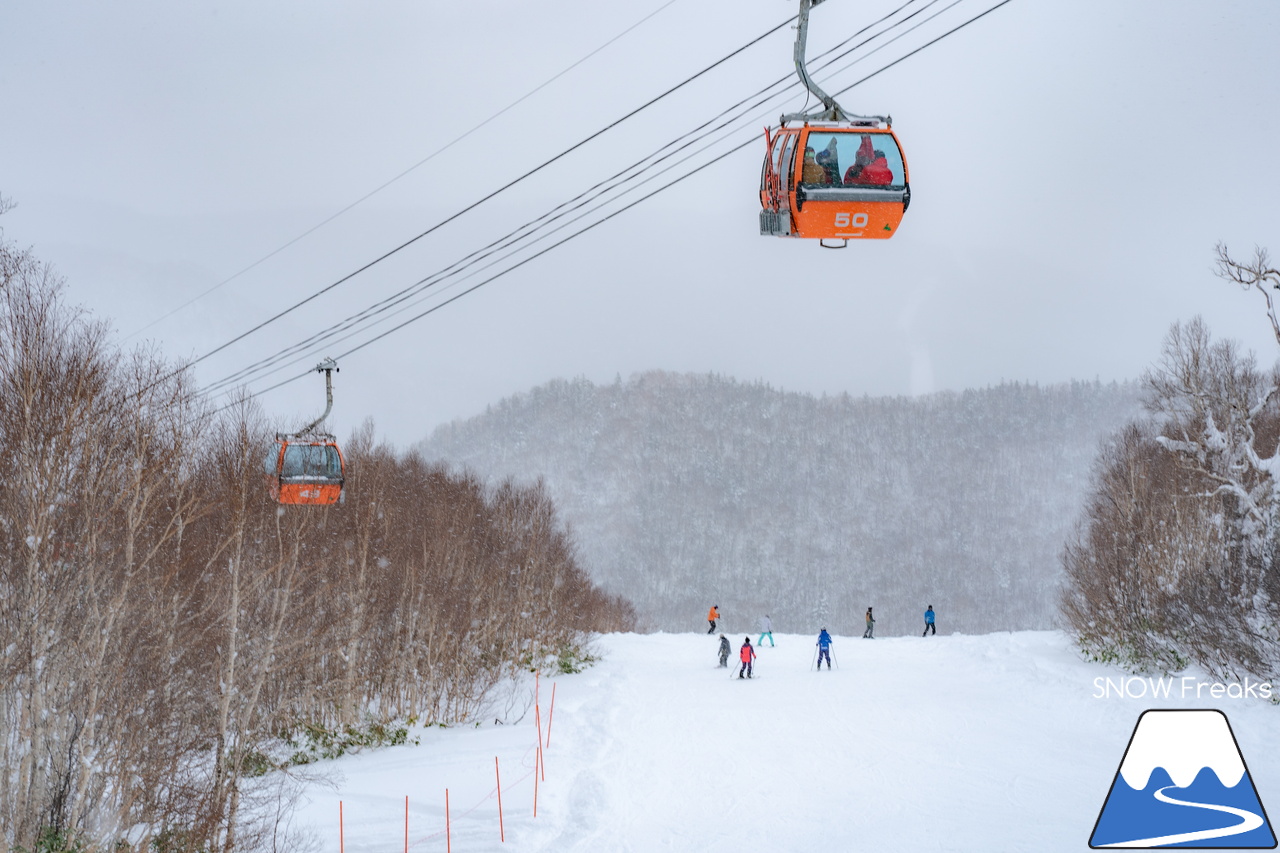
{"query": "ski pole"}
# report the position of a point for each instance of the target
(815, 657)
(833, 655)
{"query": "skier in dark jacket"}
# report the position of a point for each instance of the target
(870, 633)
(928, 623)
(824, 648)
(724, 650)
(746, 654)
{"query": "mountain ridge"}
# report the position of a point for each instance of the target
(687, 490)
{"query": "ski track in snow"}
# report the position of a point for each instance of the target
(955, 743)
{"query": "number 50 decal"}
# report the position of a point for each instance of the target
(851, 220)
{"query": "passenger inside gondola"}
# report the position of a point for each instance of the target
(829, 159)
(870, 166)
(812, 173)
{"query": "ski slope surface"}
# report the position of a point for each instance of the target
(985, 743)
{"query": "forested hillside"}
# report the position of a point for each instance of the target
(686, 491)
(169, 634)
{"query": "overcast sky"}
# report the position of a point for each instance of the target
(1072, 166)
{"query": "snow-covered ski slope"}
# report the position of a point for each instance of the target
(982, 743)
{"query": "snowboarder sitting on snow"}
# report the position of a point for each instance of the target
(824, 648)
(870, 633)
(724, 650)
(747, 654)
(766, 630)
(712, 615)
(928, 623)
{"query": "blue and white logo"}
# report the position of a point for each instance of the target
(1183, 783)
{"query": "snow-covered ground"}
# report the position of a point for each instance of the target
(984, 743)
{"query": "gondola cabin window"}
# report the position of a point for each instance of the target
(310, 462)
(852, 159)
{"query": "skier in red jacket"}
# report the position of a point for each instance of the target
(747, 655)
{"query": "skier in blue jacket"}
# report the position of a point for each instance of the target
(824, 648)
(928, 622)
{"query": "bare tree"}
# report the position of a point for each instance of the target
(1254, 274)
(164, 624)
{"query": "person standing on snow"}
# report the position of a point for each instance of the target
(724, 651)
(870, 633)
(766, 630)
(712, 615)
(824, 648)
(928, 623)
(747, 654)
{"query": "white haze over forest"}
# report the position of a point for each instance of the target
(691, 490)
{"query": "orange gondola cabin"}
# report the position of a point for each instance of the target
(839, 181)
(829, 175)
(306, 470)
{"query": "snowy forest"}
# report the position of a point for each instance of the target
(687, 491)
(1177, 558)
(169, 635)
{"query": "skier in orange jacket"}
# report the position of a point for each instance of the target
(712, 615)
(747, 655)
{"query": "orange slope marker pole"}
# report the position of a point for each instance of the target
(502, 832)
(448, 832)
(551, 714)
(406, 823)
(537, 760)
(340, 843)
(537, 718)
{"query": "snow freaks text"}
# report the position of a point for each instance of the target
(1185, 687)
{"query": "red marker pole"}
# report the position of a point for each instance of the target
(448, 837)
(340, 843)
(537, 760)
(551, 715)
(502, 833)
(406, 823)
(537, 717)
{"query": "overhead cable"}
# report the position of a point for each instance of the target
(835, 53)
(615, 213)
